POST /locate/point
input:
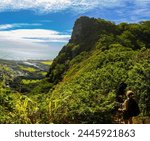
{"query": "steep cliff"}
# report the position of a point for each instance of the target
(86, 32)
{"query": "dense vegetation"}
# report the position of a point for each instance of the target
(82, 80)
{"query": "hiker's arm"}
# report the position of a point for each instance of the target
(125, 105)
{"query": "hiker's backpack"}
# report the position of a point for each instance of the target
(133, 108)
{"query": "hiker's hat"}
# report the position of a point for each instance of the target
(129, 93)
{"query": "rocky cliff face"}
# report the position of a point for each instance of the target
(83, 28)
(86, 32)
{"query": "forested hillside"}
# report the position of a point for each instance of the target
(80, 86)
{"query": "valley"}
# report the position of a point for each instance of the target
(21, 74)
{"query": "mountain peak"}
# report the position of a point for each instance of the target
(88, 30)
(82, 28)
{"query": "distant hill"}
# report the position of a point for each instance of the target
(23, 75)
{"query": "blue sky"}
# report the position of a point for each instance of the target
(47, 24)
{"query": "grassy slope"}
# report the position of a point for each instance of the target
(87, 92)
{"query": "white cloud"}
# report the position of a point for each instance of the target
(41, 5)
(11, 49)
(80, 6)
(125, 9)
(34, 36)
(6, 26)
(17, 25)
(31, 43)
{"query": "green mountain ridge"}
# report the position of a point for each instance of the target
(81, 83)
(99, 56)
